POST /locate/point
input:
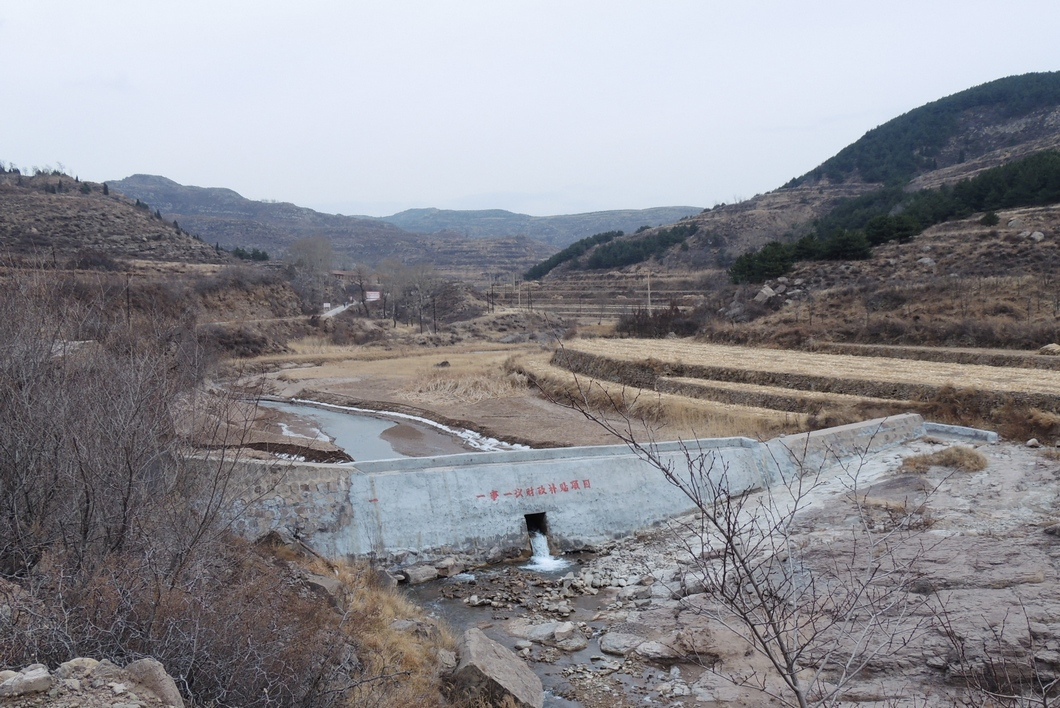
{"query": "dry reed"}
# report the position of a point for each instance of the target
(464, 388)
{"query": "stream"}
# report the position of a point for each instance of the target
(439, 600)
(377, 435)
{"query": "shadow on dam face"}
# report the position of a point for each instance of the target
(536, 524)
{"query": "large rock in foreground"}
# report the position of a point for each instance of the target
(488, 669)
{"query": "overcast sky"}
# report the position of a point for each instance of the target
(538, 107)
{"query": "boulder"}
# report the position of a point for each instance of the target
(765, 294)
(489, 671)
(386, 579)
(35, 678)
(1037, 236)
(659, 651)
(562, 635)
(1015, 224)
(620, 643)
(927, 262)
(635, 592)
(416, 574)
(75, 668)
(448, 567)
(1050, 350)
(150, 674)
(328, 586)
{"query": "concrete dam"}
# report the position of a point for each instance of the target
(485, 504)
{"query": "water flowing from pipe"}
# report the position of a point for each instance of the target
(542, 561)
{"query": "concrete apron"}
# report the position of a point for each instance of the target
(482, 505)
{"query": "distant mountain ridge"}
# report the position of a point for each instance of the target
(489, 240)
(560, 231)
(224, 217)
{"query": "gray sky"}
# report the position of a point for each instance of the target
(540, 107)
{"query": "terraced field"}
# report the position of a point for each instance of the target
(604, 296)
(834, 387)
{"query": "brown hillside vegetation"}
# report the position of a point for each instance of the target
(989, 140)
(76, 223)
(958, 284)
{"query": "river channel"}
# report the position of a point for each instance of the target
(375, 435)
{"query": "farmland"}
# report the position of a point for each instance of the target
(833, 388)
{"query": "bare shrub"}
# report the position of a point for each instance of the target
(819, 620)
(658, 323)
(236, 278)
(816, 620)
(235, 341)
(114, 538)
(87, 259)
(1006, 666)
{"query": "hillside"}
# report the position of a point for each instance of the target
(54, 218)
(555, 230)
(834, 213)
(936, 145)
(222, 216)
(980, 121)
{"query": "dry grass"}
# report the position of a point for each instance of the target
(681, 416)
(958, 457)
(872, 372)
(1018, 403)
(407, 659)
(360, 362)
(827, 409)
(465, 387)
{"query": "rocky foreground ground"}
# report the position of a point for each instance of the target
(967, 606)
(88, 683)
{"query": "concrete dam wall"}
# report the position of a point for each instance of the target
(483, 504)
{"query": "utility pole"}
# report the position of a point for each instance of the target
(649, 292)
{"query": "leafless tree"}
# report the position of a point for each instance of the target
(1007, 665)
(819, 620)
(114, 538)
(310, 261)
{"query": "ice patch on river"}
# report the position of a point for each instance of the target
(473, 440)
(286, 431)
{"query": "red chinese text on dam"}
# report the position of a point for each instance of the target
(540, 490)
